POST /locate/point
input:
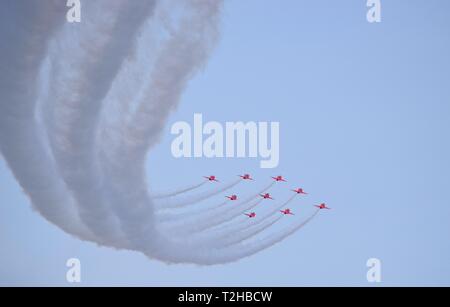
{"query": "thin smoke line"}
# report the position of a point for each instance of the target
(179, 191)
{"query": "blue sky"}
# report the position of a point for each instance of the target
(363, 110)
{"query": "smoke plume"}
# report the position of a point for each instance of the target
(82, 105)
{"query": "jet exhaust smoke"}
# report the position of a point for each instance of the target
(81, 107)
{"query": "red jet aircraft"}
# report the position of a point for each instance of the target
(287, 212)
(299, 191)
(251, 215)
(246, 177)
(279, 178)
(211, 178)
(322, 206)
(266, 196)
(232, 197)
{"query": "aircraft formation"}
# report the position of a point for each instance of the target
(265, 195)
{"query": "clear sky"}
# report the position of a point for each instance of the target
(364, 114)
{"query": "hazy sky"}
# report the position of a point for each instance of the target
(364, 116)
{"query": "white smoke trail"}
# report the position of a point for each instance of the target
(230, 233)
(179, 191)
(184, 53)
(197, 220)
(195, 199)
(181, 217)
(86, 165)
(261, 218)
(239, 227)
(209, 256)
(239, 237)
(105, 39)
(241, 231)
(208, 219)
(20, 135)
(216, 217)
(226, 235)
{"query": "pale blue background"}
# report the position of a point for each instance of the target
(365, 121)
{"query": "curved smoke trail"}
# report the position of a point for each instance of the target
(195, 199)
(77, 138)
(212, 218)
(255, 223)
(105, 39)
(250, 232)
(261, 218)
(20, 134)
(179, 191)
